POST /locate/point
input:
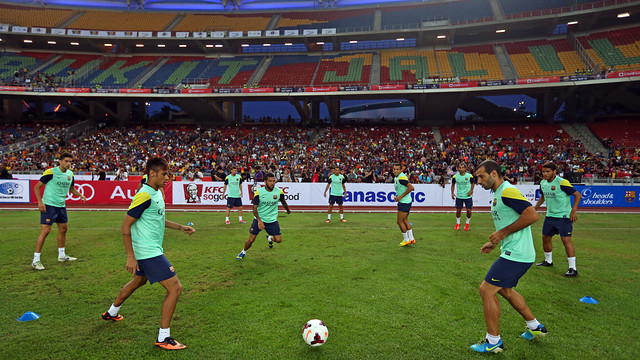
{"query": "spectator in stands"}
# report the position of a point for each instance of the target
(4, 173)
(258, 177)
(102, 175)
(122, 174)
(197, 174)
(286, 176)
(219, 175)
(509, 177)
(187, 173)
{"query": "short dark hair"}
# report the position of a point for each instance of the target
(550, 165)
(336, 166)
(398, 165)
(489, 166)
(232, 167)
(65, 155)
(156, 164)
(268, 175)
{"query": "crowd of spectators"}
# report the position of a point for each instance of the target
(366, 154)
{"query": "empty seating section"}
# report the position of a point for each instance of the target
(33, 16)
(291, 70)
(544, 58)
(407, 66)
(208, 22)
(123, 21)
(458, 12)
(10, 62)
(79, 64)
(618, 48)
(234, 72)
(343, 20)
(510, 134)
(526, 8)
(347, 69)
(470, 63)
(119, 71)
(623, 132)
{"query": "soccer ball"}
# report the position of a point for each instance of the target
(315, 332)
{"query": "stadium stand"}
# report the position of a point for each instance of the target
(618, 132)
(407, 66)
(10, 62)
(343, 20)
(291, 70)
(119, 71)
(33, 16)
(122, 21)
(344, 69)
(79, 63)
(544, 58)
(619, 49)
(227, 22)
(458, 12)
(470, 63)
(514, 9)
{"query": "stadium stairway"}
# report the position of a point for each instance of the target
(153, 68)
(374, 77)
(176, 20)
(262, 68)
(498, 14)
(504, 61)
(274, 22)
(437, 135)
(586, 136)
(75, 16)
(45, 64)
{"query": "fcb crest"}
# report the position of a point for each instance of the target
(553, 188)
(630, 196)
(467, 178)
(275, 197)
(495, 202)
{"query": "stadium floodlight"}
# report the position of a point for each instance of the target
(288, 44)
(400, 39)
(182, 45)
(245, 45)
(28, 41)
(161, 45)
(320, 43)
(572, 23)
(75, 43)
(140, 45)
(353, 42)
(441, 36)
(51, 42)
(108, 45)
(500, 31)
(266, 44)
(209, 46)
(623, 15)
(218, 45)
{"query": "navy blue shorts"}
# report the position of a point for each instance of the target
(468, 203)
(272, 229)
(335, 200)
(156, 269)
(54, 214)
(404, 207)
(234, 202)
(561, 226)
(506, 273)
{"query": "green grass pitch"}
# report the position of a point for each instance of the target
(379, 300)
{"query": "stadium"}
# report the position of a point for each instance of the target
(298, 88)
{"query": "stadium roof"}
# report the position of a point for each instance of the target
(203, 5)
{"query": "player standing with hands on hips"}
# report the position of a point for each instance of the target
(465, 184)
(512, 215)
(234, 198)
(556, 191)
(58, 182)
(143, 234)
(403, 197)
(336, 183)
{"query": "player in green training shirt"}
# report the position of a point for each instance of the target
(403, 198)
(464, 182)
(234, 198)
(556, 192)
(336, 183)
(58, 182)
(143, 234)
(512, 215)
(265, 213)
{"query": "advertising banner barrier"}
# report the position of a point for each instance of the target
(609, 196)
(105, 192)
(14, 191)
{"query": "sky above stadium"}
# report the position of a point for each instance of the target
(202, 5)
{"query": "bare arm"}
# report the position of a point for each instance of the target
(75, 192)
(574, 210)
(540, 202)
(175, 226)
(528, 217)
(471, 191)
(286, 206)
(255, 213)
(132, 263)
(327, 188)
(38, 195)
(410, 188)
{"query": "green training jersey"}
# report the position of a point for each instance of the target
(57, 186)
(463, 185)
(147, 232)
(557, 194)
(336, 184)
(400, 184)
(508, 203)
(233, 184)
(267, 202)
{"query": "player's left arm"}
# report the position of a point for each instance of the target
(576, 202)
(175, 226)
(528, 215)
(284, 203)
(473, 185)
(344, 188)
(410, 188)
(72, 189)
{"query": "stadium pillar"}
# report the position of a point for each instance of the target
(302, 109)
(435, 109)
(39, 109)
(315, 112)
(12, 109)
(545, 107)
(142, 111)
(333, 105)
(227, 109)
(123, 112)
(237, 112)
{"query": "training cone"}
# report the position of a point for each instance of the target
(28, 316)
(190, 224)
(589, 300)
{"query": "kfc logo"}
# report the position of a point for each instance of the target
(193, 193)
